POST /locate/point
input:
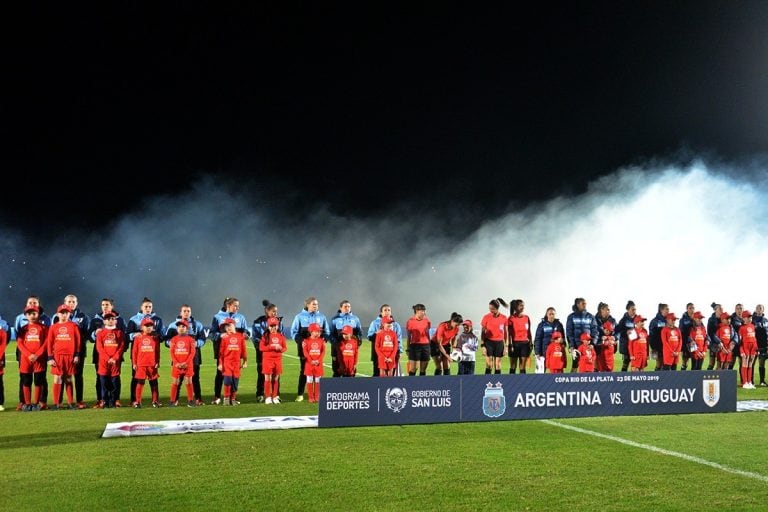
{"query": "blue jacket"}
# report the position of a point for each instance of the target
(577, 323)
(339, 320)
(736, 323)
(301, 322)
(544, 335)
(761, 331)
(654, 331)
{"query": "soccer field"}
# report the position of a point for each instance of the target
(57, 460)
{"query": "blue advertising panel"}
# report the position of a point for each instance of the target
(443, 399)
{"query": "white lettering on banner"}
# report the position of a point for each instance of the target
(431, 398)
(663, 396)
(558, 399)
(352, 400)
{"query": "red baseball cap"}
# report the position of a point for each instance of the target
(746, 313)
(110, 314)
(147, 321)
(272, 321)
(608, 326)
(347, 329)
(62, 308)
(467, 322)
(31, 308)
(386, 319)
(639, 318)
(585, 336)
(670, 316)
(314, 328)
(556, 335)
(724, 316)
(698, 314)
(226, 322)
(182, 322)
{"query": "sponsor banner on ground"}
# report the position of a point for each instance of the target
(403, 400)
(153, 428)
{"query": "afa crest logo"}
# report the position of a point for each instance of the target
(494, 403)
(396, 399)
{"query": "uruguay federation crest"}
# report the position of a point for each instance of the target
(711, 392)
(494, 403)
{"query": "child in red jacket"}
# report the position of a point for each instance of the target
(698, 341)
(272, 346)
(146, 361)
(386, 347)
(587, 354)
(556, 359)
(314, 353)
(348, 352)
(638, 345)
(63, 346)
(232, 357)
(183, 348)
(110, 344)
(32, 359)
(608, 344)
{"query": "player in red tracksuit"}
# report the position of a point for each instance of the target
(182, 348)
(638, 345)
(272, 347)
(671, 342)
(556, 359)
(110, 345)
(314, 353)
(748, 349)
(30, 341)
(232, 357)
(3, 345)
(608, 344)
(725, 345)
(698, 341)
(348, 352)
(386, 347)
(63, 347)
(587, 354)
(146, 361)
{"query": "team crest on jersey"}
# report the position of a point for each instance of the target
(494, 403)
(396, 399)
(711, 391)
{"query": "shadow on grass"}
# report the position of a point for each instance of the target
(48, 439)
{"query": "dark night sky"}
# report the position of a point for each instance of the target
(333, 103)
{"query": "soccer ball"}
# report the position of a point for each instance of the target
(456, 355)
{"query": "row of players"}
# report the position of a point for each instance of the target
(501, 336)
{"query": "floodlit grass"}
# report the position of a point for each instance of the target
(57, 460)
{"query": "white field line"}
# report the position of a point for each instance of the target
(684, 456)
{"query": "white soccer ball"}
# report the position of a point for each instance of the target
(456, 355)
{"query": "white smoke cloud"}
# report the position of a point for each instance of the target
(650, 234)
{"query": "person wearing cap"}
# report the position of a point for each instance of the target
(133, 329)
(555, 358)
(343, 317)
(314, 354)
(686, 323)
(272, 346)
(20, 321)
(260, 328)
(637, 347)
(747, 349)
(443, 342)
(606, 326)
(183, 348)
(230, 309)
(587, 354)
(199, 333)
(373, 330)
(110, 345)
(736, 322)
(106, 307)
(494, 335)
(467, 343)
(654, 335)
(579, 321)
(63, 349)
(32, 360)
(417, 327)
(145, 356)
(548, 325)
(723, 341)
(386, 347)
(671, 342)
(697, 341)
(713, 323)
(348, 352)
(520, 338)
(233, 356)
(761, 334)
(625, 328)
(300, 331)
(83, 324)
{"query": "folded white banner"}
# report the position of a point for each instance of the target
(154, 428)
